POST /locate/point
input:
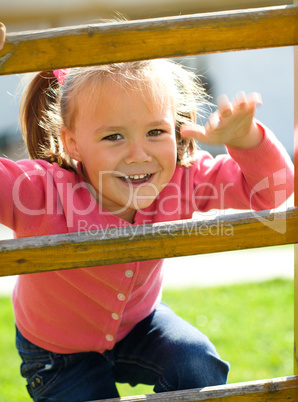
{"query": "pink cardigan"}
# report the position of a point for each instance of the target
(89, 309)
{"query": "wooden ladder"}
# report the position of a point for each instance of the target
(147, 39)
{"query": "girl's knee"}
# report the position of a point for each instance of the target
(193, 365)
(203, 367)
(208, 370)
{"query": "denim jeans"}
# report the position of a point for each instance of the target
(162, 350)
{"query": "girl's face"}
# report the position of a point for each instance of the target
(127, 147)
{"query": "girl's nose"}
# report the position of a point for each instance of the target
(137, 153)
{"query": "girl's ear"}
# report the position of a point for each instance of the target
(70, 144)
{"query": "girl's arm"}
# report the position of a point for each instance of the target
(22, 193)
(257, 173)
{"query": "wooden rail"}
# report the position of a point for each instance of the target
(284, 389)
(82, 11)
(147, 242)
(153, 38)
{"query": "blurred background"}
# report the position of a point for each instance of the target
(267, 71)
(240, 320)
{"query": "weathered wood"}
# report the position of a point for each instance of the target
(152, 38)
(273, 390)
(147, 242)
(45, 11)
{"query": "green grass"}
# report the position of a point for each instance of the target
(250, 324)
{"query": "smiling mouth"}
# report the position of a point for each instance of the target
(136, 179)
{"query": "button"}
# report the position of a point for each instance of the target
(129, 273)
(115, 316)
(109, 337)
(60, 174)
(121, 296)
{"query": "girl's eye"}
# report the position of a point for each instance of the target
(154, 133)
(112, 137)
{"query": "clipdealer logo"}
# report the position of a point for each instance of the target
(277, 221)
(55, 190)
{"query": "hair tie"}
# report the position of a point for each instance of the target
(60, 75)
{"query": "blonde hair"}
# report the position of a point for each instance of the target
(46, 105)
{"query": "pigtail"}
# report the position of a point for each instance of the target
(40, 119)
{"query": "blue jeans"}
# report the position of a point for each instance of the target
(162, 350)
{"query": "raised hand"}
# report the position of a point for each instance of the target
(232, 124)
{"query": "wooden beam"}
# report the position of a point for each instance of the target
(148, 242)
(154, 38)
(273, 390)
(14, 13)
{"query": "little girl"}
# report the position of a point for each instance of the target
(114, 146)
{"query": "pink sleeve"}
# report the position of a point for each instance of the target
(22, 195)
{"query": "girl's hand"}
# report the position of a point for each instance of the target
(2, 35)
(232, 124)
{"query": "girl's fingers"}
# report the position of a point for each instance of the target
(254, 98)
(2, 35)
(192, 131)
(251, 100)
(213, 121)
(227, 119)
(240, 100)
(224, 106)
